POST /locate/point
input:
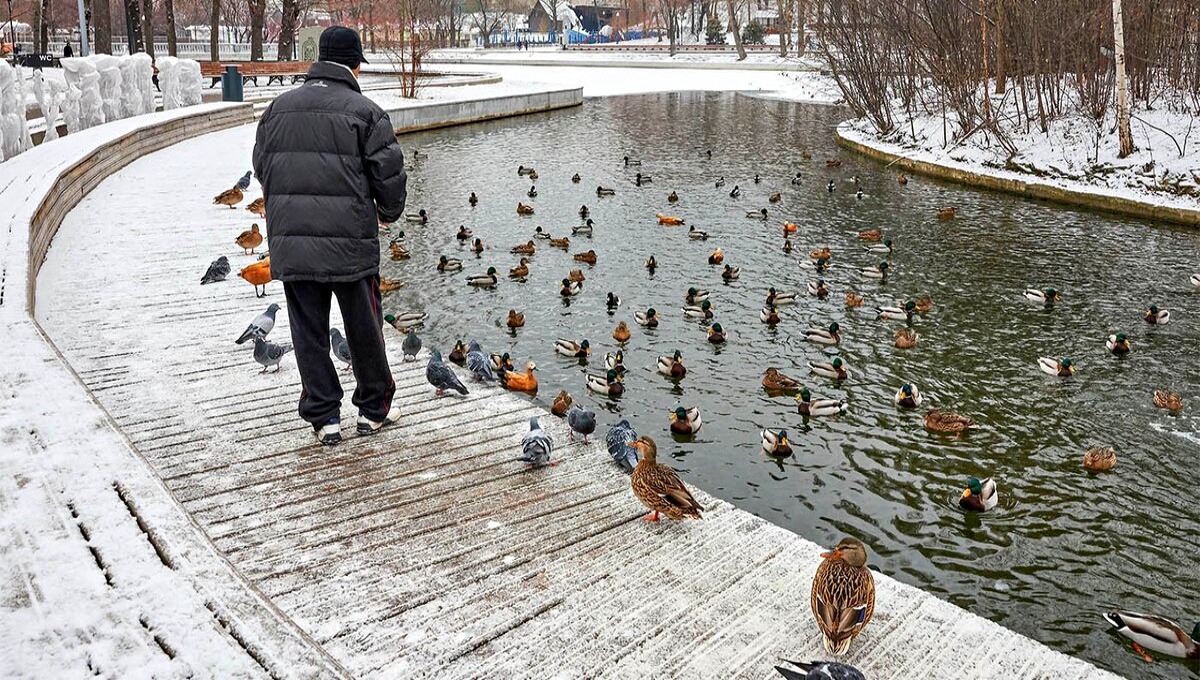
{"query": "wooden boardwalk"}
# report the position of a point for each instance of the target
(428, 550)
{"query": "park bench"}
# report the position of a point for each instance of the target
(251, 71)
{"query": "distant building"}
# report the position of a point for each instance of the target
(594, 18)
(541, 17)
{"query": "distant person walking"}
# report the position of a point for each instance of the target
(331, 170)
(67, 51)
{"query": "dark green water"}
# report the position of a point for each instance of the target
(1063, 546)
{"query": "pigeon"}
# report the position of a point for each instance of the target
(581, 421)
(479, 364)
(341, 348)
(411, 346)
(217, 271)
(821, 670)
(244, 182)
(537, 444)
(269, 354)
(261, 326)
(619, 439)
(441, 376)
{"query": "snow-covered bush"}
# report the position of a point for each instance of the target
(190, 82)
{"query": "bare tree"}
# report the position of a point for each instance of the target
(413, 43)
(214, 30)
(133, 26)
(172, 35)
(147, 19)
(1123, 131)
(733, 6)
(258, 10)
(102, 23)
(289, 21)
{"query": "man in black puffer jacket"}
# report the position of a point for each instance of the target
(331, 170)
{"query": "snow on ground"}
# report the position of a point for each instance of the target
(84, 590)
(606, 82)
(584, 55)
(1076, 152)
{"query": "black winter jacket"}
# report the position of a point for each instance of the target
(330, 169)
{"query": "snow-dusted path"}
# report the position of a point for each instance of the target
(428, 550)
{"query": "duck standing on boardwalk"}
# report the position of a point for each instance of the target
(326, 208)
(249, 240)
(843, 595)
(659, 488)
(258, 274)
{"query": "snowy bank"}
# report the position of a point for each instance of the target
(1075, 161)
(105, 574)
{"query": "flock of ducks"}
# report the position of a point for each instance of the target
(843, 592)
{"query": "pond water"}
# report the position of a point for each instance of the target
(1063, 546)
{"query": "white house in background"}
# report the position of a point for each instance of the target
(541, 15)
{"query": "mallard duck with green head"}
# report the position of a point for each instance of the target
(1157, 634)
(1043, 296)
(570, 348)
(980, 495)
(1063, 368)
(894, 313)
(1118, 344)
(775, 443)
(716, 334)
(449, 264)
(686, 420)
(835, 370)
(778, 298)
(701, 311)
(830, 335)
(1156, 316)
(615, 361)
(908, 396)
(695, 296)
(816, 408)
(769, 315)
(487, 280)
(610, 383)
(672, 366)
(647, 319)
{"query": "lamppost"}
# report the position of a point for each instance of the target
(12, 32)
(84, 46)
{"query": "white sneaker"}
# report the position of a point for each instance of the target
(368, 426)
(330, 433)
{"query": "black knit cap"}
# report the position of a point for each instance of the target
(341, 45)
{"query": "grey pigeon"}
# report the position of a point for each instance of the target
(217, 271)
(479, 364)
(619, 439)
(441, 376)
(537, 444)
(581, 421)
(269, 354)
(244, 182)
(341, 348)
(261, 326)
(411, 346)
(821, 670)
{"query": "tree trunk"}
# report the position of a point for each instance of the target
(102, 23)
(1001, 49)
(172, 38)
(987, 91)
(41, 25)
(257, 9)
(1123, 130)
(133, 26)
(737, 30)
(289, 17)
(801, 16)
(147, 12)
(785, 26)
(214, 31)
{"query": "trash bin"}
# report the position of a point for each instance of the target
(231, 85)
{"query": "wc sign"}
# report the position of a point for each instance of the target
(309, 41)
